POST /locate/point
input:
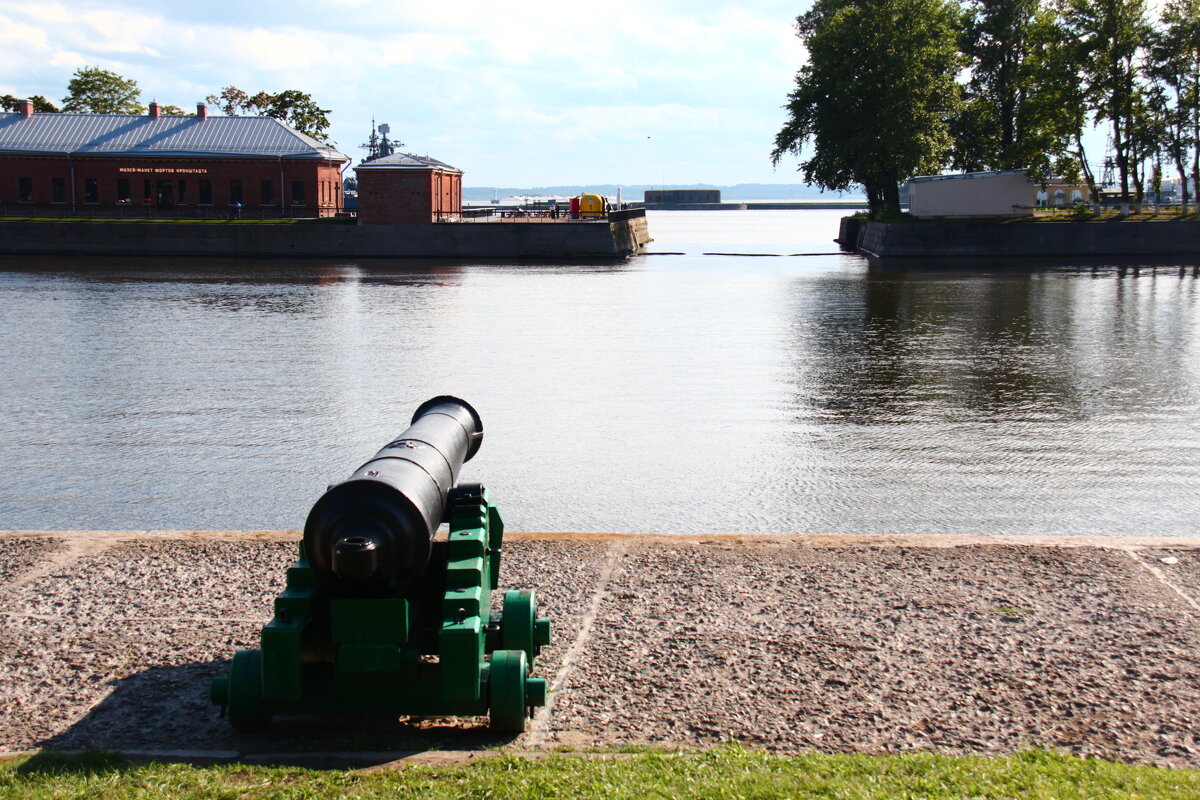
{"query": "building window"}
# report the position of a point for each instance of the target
(25, 190)
(182, 192)
(58, 190)
(297, 193)
(205, 193)
(147, 192)
(235, 192)
(268, 193)
(124, 192)
(91, 190)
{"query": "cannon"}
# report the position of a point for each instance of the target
(383, 616)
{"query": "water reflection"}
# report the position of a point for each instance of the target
(1034, 343)
(1039, 399)
(668, 394)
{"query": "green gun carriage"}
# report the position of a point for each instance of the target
(382, 617)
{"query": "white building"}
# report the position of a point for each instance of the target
(1002, 193)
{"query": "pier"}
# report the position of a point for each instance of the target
(621, 234)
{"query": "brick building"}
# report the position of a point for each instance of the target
(175, 165)
(403, 189)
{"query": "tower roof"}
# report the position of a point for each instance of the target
(405, 161)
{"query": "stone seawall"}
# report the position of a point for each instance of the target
(984, 238)
(629, 230)
(621, 236)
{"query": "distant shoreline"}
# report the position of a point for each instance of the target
(757, 205)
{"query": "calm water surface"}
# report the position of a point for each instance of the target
(666, 393)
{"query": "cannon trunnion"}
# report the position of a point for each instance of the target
(382, 617)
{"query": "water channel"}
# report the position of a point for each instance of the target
(666, 393)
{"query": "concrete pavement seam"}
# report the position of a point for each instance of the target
(76, 548)
(1164, 580)
(539, 729)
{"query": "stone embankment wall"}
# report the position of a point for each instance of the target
(630, 232)
(765, 205)
(985, 238)
(695, 206)
(624, 235)
(682, 196)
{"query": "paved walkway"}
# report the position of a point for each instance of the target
(785, 643)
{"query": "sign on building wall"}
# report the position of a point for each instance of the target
(164, 170)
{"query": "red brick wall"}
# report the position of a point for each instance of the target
(447, 189)
(407, 196)
(322, 182)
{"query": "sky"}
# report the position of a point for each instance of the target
(516, 94)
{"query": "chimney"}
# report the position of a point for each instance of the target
(154, 108)
(26, 108)
(202, 110)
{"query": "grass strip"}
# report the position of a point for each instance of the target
(725, 772)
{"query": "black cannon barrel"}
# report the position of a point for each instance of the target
(370, 535)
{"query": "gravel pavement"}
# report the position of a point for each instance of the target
(847, 644)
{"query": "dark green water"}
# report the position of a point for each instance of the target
(662, 394)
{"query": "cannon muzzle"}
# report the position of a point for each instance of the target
(370, 535)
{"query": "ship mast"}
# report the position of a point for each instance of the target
(378, 145)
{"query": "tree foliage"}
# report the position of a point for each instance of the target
(1014, 114)
(98, 91)
(1174, 71)
(883, 95)
(40, 104)
(294, 107)
(1109, 36)
(231, 100)
(876, 98)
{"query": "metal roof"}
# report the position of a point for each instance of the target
(966, 176)
(158, 137)
(405, 161)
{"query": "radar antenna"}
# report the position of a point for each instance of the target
(378, 145)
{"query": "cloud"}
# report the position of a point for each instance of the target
(114, 32)
(543, 87)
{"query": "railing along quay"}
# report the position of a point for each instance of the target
(534, 215)
(264, 213)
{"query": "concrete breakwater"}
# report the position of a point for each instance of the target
(623, 234)
(971, 238)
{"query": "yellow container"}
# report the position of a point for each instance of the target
(592, 205)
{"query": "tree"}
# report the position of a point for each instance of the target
(97, 91)
(172, 111)
(43, 106)
(294, 107)
(876, 97)
(1110, 36)
(300, 111)
(1175, 90)
(40, 104)
(231, 100)
(1012, 115)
